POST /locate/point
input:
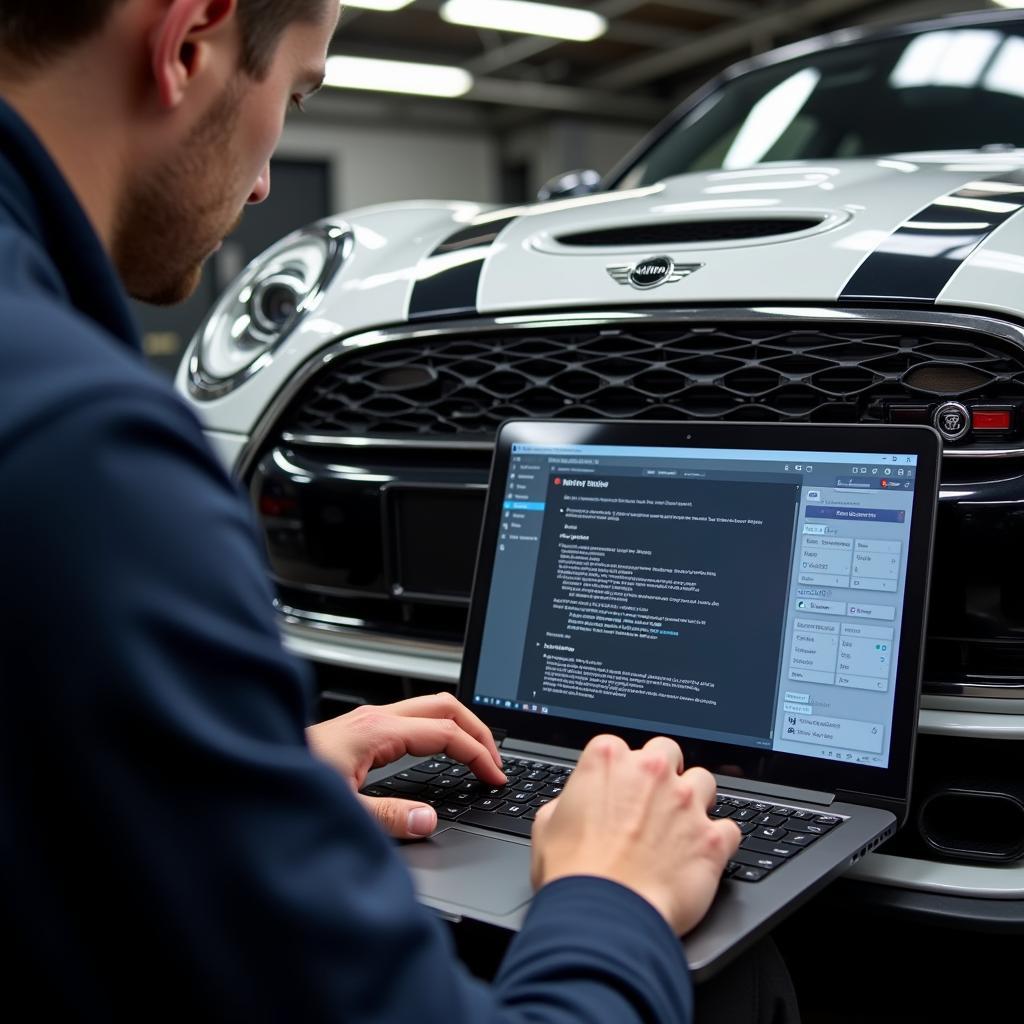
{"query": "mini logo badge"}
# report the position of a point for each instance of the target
(652, 272)
(952, 420)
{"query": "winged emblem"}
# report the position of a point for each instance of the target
(652, 272)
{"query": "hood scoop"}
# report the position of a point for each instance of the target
(691, 232)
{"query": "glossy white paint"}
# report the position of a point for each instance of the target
(993, 276)
(227, 447)
(863, 202)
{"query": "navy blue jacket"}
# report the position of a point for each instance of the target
(168, 845)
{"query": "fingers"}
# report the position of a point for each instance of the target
(434, 735)
(540, 825)
(726, 841)
(599, 753)
(543, 816)
(445, 705)
(669, 749)
(732, 836)
(402, 819)
(703, 786)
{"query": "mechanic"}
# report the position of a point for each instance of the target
(175, 841)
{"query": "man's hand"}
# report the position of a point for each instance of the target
(371, 737)
(637, 818)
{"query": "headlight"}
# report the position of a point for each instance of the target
(264, 306)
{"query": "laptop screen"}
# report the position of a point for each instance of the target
(744, 596)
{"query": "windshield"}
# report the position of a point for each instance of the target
(941, 90)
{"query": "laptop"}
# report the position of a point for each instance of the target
(756, 591)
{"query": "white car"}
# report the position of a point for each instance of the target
(830, 233)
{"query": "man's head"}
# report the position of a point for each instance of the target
(34, 31)
(192, 96)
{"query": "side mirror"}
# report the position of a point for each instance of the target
(570, 185)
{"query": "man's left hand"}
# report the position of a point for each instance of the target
(371, 737)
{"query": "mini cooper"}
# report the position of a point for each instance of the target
(832, 233)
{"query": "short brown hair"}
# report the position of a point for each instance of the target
(32, 31)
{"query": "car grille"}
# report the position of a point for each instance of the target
(468, 383)
(369, 479)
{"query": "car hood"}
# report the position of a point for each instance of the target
(904, 231)
(898, 228)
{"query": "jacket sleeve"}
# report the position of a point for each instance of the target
(177, 844)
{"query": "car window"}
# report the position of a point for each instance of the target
(942, 90)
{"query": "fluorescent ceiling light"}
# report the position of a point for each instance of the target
(397, 76)
(381, 5)
(529, 18)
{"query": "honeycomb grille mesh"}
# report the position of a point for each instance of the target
(467, 383)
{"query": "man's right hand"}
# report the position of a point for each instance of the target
(635, 817)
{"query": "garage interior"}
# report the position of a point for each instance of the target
(528, 109)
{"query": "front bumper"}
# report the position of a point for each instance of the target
(980, 897)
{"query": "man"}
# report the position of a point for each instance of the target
(172, 841)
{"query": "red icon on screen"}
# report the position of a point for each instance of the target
(558, 481)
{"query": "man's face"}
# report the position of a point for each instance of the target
(173, 219)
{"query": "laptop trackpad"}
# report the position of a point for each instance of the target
(472, 871)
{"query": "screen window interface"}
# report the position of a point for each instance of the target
(750, 597)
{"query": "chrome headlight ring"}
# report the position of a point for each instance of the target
(264, 306)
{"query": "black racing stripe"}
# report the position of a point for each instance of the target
(469, 238)
(452, 290)
(449, 293)
(920, 258)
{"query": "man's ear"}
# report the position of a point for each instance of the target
(180, 41)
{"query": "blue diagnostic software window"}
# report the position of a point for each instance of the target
(747, 596)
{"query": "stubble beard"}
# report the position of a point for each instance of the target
(170, 222)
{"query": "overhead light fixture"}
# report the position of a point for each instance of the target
(377, 5)
(397, 76)
(1009, 3)
(528, 18)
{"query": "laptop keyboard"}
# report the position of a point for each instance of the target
(772, 833)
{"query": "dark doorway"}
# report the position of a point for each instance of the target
(300, 194)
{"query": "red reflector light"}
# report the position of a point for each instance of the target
(996, 420)
(909, 414)
(274, 508)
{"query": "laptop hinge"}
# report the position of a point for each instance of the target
(774, 791)
(499, 735)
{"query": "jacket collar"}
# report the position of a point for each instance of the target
(35, 197)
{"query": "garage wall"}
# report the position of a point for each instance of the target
(377, 165)
(565, 145)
